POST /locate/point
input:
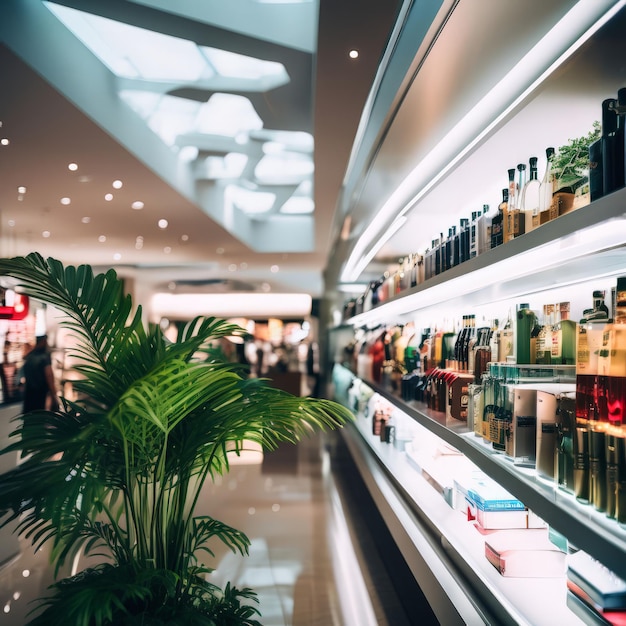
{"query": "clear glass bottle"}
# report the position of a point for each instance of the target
(531, 199)
(483, 231)
(515, 222)
(546, 189)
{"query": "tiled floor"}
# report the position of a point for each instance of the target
(312, 560)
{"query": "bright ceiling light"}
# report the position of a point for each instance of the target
(117, 184)
(72, 167)
(137, 205)
(65, 201)
(227, 114)
(353, 54)
(298, 206)
(249, 201)
(163, 224)
(239, 66)
(253, 305)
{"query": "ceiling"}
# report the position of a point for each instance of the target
(61, 104)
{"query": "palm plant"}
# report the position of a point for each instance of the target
(119, 471)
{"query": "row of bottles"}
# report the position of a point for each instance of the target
(550, 394)
(528, 202)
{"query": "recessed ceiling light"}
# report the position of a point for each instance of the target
(72, 167)
(85, 220)
(66, 201)
(274, 269)
(167, 249)
(108, 197)
(232, 267)
(137, 205)
(11, 222)
(102, 238)
(117, 184)
(243, 266)
(21, 190)
(163, 224)
(4, 141)
(184, 237)
(266, 287)
(220, 251)
(45, 234)
(117, 256)
(353, 54)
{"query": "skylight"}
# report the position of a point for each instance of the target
(152, 72)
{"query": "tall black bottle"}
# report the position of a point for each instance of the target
(612, 147)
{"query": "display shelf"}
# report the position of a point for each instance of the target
(459, 547)
(584, 527)
(586, 243)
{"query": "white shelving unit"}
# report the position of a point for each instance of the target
(572, 252)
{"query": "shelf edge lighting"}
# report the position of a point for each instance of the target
(549, 53)
(606, 236)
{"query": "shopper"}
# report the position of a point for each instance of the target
(39, 378)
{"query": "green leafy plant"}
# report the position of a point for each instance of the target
(119, 472)
(570, 163)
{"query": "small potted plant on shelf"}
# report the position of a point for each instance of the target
(570, 171)
(119, 471)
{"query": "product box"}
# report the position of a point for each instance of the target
(600, 585)
(527, 553)
(457, 390)
(492, 507)
(591, 615)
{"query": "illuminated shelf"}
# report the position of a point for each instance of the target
(584, 244)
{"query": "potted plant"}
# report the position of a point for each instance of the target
(119, 471)
(570, 169)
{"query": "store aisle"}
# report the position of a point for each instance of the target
(313, 559)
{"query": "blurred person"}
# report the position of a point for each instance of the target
(39, 378)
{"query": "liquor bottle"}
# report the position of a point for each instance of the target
(546, 189)
(429, 261)
(473, 236)
(469, 339)
(436, 268)
(612, 148)
(497, 222)
(563, 350)
(483, 231)
(465, 234)
(544, 338)
(505, 341)
(530, 198)
(455, 251)
(509, 206)
(455, 362)
(515, 223)
(526, 321)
